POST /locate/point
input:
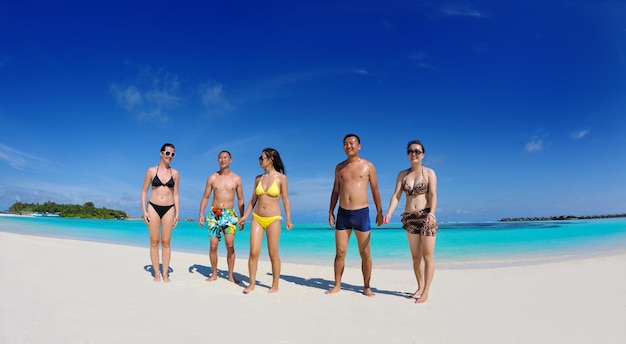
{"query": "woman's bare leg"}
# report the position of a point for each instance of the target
(428, 252)
(167, 225)
(415, 244)
(273, 240)
(256, 237)
(154, 228)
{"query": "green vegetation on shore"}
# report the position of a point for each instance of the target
(87, 210)
(562, 217)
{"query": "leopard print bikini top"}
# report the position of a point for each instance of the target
(419, 188)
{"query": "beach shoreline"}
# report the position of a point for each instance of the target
(60, 290)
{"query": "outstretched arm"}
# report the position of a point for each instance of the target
(395, 198)
(205, 200)
(376, 195)
(253, 199)
(240, 200)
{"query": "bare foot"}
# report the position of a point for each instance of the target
(166, 279)
(273, 290)
(157, 279)
(211, 278)
(422, 299)
(368, 292)
(232, 279)
(249, 289)
(333, 290)
(416, 294)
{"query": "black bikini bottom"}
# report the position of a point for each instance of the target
(161, 209)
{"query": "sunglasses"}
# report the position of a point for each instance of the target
(414, 151)
(261, 158)
(169, 153)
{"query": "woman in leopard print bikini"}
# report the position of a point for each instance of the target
(418, 219)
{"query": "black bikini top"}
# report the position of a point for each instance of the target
(156, 182)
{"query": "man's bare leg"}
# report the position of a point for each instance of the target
(363, 239)
(342, 237)
(213, 258)
(230, 256)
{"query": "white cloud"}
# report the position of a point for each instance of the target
(535, 145)
(213, 98)
(461, 11)
(419, 56)
(579, 134)
(150, 95)
(423, 60)
(129, 97)
(22, 161)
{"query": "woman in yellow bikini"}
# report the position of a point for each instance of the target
(265, 208)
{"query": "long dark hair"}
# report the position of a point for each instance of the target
(165, 145)
(415, 142)
(277, 162)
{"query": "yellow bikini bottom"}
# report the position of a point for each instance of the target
(266, 221)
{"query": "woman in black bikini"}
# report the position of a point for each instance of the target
(418, 219)
(162, 210)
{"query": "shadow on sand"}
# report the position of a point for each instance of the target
(207, 271)
(324, 284)
(151, 270)
(318, 283)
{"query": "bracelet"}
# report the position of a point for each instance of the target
(431, 214)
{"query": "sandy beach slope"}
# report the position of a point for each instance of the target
(65, 291)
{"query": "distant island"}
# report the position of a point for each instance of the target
(562, 217)
(87, 210)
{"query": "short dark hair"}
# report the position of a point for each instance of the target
(352, 135)
(225, 151)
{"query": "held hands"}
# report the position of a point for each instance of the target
(379, 218)
(386, 219)
(241, 223)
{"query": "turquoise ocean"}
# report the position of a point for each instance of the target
(459, 245)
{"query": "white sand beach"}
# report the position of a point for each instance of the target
(66, 291)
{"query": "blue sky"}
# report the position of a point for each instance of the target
(521, 106)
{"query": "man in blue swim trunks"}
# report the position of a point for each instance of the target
(221, 218)
(352, 177)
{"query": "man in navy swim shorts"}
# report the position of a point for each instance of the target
(352, 178)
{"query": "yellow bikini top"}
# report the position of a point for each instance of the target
(273, 190)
